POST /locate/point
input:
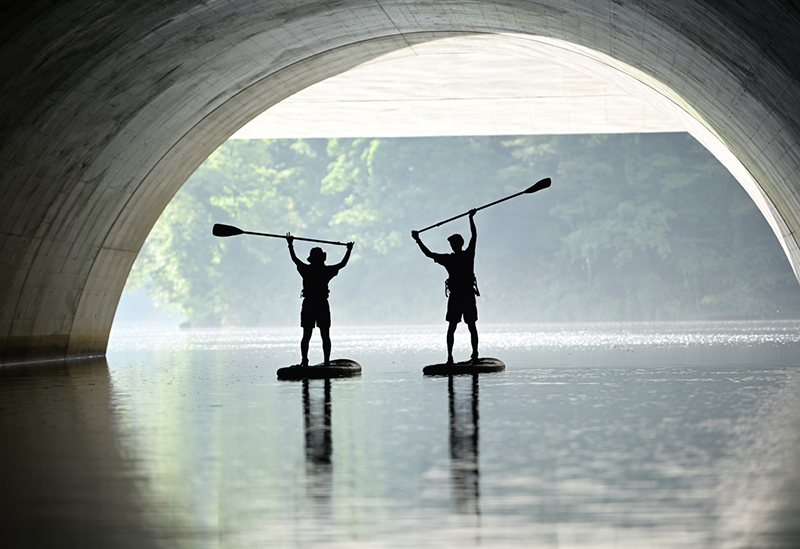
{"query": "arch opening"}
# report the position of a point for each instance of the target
(591, 105)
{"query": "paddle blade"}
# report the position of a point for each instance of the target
(225, 230)
(543, 184)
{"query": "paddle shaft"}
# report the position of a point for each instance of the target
(296, 238)
(476, 209)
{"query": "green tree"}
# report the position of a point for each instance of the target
(635, 227)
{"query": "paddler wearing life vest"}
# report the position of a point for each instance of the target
(315, 310)
(461, 285)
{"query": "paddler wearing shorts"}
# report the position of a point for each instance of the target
(315, 310)
(461, 286)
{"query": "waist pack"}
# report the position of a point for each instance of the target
(475, 289)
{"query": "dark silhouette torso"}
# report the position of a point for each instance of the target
(460, 271)
(316, 279)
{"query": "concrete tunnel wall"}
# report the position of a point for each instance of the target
(106, 108)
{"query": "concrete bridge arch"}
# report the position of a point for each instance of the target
(107, 108)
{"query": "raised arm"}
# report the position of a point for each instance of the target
(346, 257)
(290, 241)
(473, 230)
(422, 246)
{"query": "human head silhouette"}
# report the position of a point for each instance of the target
(456, 242)
(316, 256)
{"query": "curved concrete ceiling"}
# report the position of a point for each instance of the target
(108, 107)
(479, 84)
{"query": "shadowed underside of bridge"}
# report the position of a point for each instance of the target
(106, 108)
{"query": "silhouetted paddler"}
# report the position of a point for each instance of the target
(316, 310)
(460, 287)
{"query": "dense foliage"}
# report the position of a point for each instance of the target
(635, 227)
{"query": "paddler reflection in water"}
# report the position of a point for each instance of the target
(316, 311)
(461, 286)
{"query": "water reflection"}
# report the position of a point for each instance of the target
(319, 441)
(464, 466)
(67, 478)
(636, 446)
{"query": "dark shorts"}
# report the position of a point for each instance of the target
(315, 313)
(462, 306)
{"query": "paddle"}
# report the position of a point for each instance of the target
(229, 230)
(543, 184)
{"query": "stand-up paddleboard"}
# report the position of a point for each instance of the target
(341, 367)
(483, 366)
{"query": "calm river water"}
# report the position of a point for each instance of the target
(651, 435)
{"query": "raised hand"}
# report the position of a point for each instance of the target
(350, 246)
(289, 239)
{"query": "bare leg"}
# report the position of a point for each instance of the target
(325, 333)
(304, 345)
(473, 332)
(451, 336)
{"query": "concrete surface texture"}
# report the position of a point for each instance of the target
(107, 107)
(480, 84)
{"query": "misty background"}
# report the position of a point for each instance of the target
(634, 228)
